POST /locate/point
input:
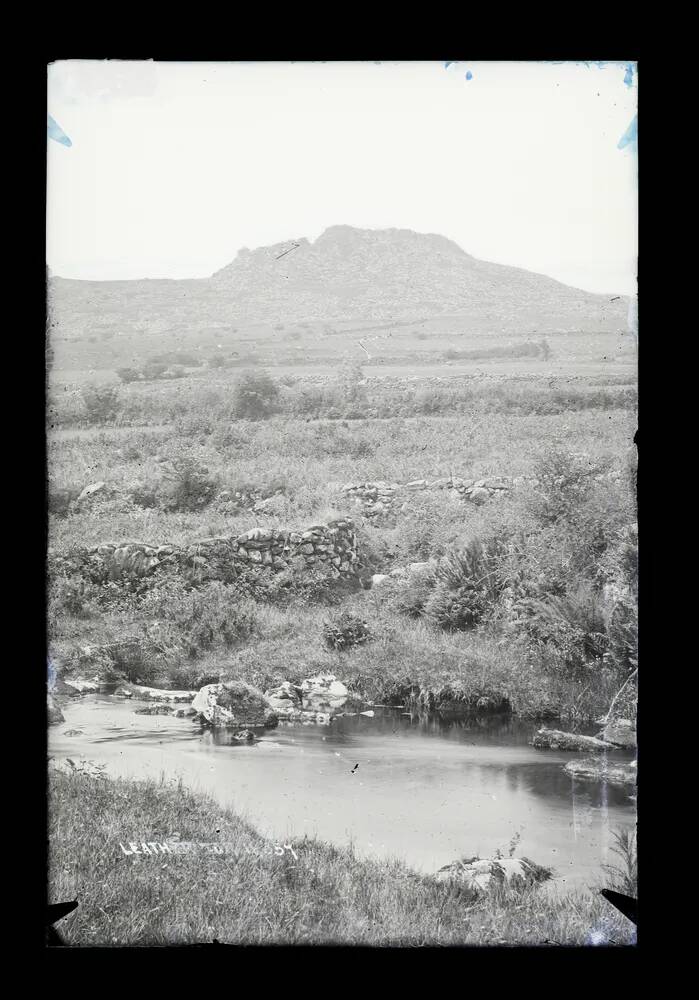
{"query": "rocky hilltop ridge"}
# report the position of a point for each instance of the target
(385, 274)
(346, 275)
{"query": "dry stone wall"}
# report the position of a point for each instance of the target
(379, 500)
(329, 548)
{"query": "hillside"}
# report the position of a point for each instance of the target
(395, 274)
(411, 296)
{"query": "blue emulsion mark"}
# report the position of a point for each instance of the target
(51, 674)
(469, 75)
(630, 136)
(448, 64)
(628, 76)
(54, 131)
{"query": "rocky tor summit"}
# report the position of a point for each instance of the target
(369, 276)
(392, 274)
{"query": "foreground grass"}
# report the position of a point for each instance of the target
(252, 894)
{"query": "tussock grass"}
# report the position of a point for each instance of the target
(255, 895)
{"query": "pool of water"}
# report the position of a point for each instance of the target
(427, 790)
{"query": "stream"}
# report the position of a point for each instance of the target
(424, 789)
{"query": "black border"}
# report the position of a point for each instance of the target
(595, 960)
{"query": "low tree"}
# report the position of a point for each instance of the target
(255, 395)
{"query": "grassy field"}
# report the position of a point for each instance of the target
(257, 892)
(540, 636)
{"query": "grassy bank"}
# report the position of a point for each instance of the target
(253, 894)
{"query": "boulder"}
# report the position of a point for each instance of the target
(322, 692)
(55, 715)
(622, 733)
(84, 685)
(91, 489)
(554, 739)
(244, 736)
(68, 690)
(480, 874)
(233, 704)
(157, 694)
(379, 578)
(478, 495)
(284, 699)
(183, 712)
(154, 710)
(617, 772)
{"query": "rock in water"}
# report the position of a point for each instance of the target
(60, 687)
(322, 692)
(154, 710)
(54, 713)
(233, 704)
(621, 733)
(554, 739)
(284, 699)
(618, 772)
(482, 873)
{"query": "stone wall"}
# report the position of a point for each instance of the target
(330, 548)
(379, 500)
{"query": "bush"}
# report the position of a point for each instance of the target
(351, 385)
(128, 374)
(345, 631)
(189, 485)
(195, 621)
(101, 403)
(572, 628)
(72, 597)
(144, 496)
(255, 395)
(565, 482)
(61, 498)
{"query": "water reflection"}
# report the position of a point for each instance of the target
(424, 788)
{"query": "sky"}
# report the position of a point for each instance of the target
(173, 167)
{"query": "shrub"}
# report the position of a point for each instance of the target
(255, 395)
(195, 621)
(345, 631)
(351, 384)
(572, 628)
(61, 498)
(71, 596)
(144, 496)
(564, 484)
(101, 403)
(128, 374)
(189, 485)
(454, 610)
(410, 596)
(469, 581)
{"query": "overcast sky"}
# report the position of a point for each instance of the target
(175, 166)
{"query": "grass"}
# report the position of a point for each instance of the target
(526, 643)
(256, 894)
